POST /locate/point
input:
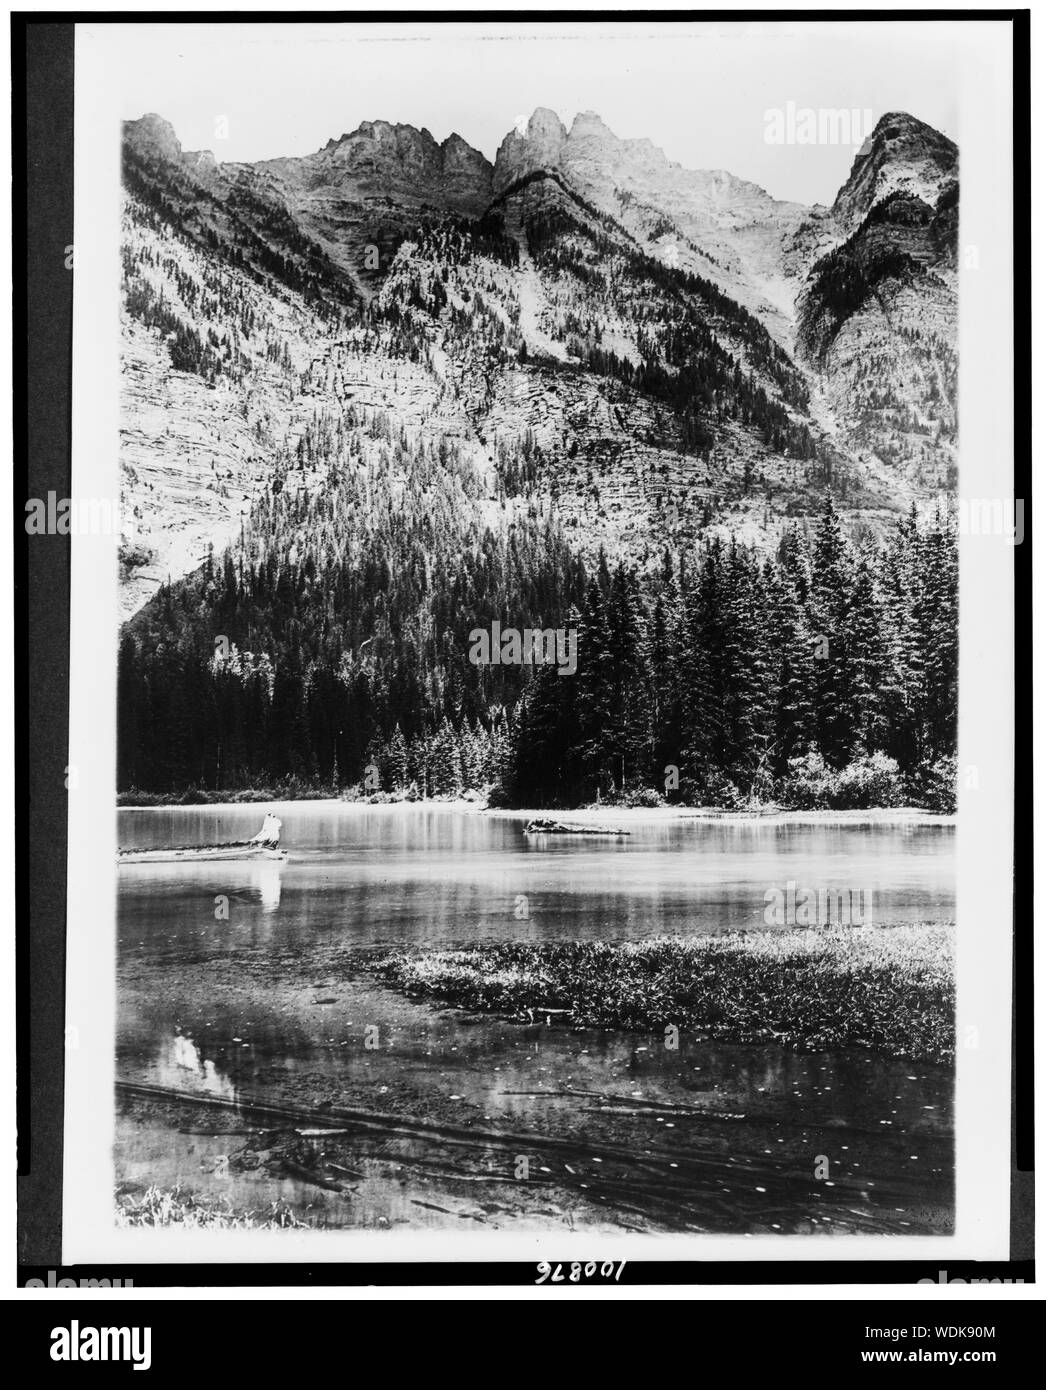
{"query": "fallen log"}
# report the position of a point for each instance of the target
(555, 827)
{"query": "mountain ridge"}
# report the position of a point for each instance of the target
(694, 345)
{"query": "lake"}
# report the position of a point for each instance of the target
(396, 875)
(230, 989)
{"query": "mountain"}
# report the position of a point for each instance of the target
(719, 226)
(371, 187)
(902, 155)
(651, 353)
(877, 316)
(379, 396)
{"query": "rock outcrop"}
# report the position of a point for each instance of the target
(652, 351)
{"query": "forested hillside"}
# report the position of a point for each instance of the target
(334, 649)
(379, 397)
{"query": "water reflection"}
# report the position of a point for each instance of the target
(220, 1005)
(182, 1066)
(397, 875)
(201, 897)
(269, 884)
(725, 1132)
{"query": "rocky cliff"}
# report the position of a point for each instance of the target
(650, 352)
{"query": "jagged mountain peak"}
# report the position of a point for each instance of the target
(545, 143)
(902, 154)
(592, 139)
(589, 122)
(545, 121)
(402, 141)
(153, 134)
(684, 340)
(539, 146)
(384, 132)
(594, 158)
(398, 161)
(895, 124)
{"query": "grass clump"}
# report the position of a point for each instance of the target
(890, 989)
(179, 1207)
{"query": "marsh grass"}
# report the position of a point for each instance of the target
(889, 989)
(178, 1207)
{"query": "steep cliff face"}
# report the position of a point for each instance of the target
(396, 163)
(902, 155)
(363, 193)
(724, 228)
(152, 136)
(877, 316)
(649, 352)
(539, 146)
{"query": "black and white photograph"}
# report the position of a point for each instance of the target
(531, 789)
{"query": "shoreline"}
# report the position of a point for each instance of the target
(597, 815)
(638, 815)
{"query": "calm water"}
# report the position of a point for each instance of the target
(219, 1006)
(394, 875)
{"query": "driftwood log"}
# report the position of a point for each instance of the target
(557, 827)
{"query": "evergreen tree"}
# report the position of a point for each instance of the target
(827, 608)
(396, 761)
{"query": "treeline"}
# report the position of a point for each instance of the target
(342, 612)
(736, 680)
(330, 646)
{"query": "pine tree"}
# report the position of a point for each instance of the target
(471, 746)
(628, 732)
(396, 762)
(595, 692)
(445, 777)
(937, 619)
(748, 675)
(791, 657)
(418, 764)
(827, 606)
(705, 727)
(868, 664)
